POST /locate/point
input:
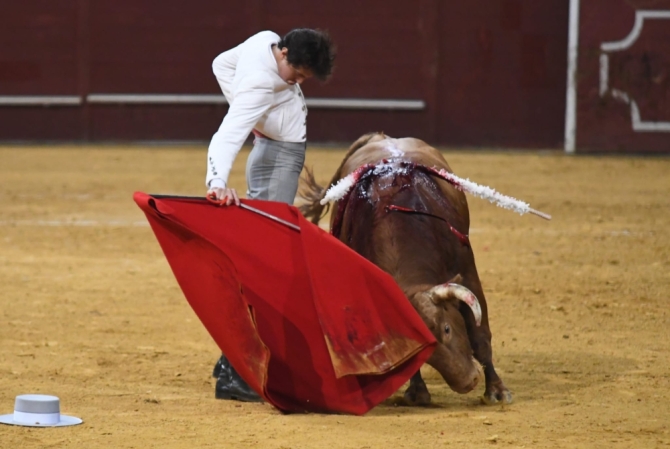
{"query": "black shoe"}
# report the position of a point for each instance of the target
(219, 366)
(230, 385)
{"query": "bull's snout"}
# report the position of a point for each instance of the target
(470, 381)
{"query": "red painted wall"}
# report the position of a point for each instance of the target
(492, 72)
(641, 71)
(503, 72)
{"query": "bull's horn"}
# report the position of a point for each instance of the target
(441, 292)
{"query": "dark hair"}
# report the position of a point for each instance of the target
(311, 49)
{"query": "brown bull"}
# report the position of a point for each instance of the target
(414, 226)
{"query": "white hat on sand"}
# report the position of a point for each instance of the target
(38, 410)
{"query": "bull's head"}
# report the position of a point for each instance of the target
(452, 358)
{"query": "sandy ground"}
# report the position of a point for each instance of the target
(90, 311)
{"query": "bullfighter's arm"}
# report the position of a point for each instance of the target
(253, 98)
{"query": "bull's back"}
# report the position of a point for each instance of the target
(410, 149)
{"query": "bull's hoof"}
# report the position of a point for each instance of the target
(417, 396)
(497, 396)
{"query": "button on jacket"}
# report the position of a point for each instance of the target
(259, 99)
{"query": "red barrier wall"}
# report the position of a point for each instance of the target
(623, 81)
(490, 72)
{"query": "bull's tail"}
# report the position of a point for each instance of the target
(313, 193)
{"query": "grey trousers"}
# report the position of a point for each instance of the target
(273, 170)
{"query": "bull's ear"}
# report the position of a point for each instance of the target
(458, 279)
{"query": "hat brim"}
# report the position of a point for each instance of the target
(65, 420)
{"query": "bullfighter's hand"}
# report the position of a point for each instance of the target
(225, 195)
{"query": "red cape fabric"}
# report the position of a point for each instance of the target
(311, 325)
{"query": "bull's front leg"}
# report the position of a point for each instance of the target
(417, 392)
(480, 340)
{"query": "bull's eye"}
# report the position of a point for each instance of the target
(447, 329)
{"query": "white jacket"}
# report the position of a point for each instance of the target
(258, 98)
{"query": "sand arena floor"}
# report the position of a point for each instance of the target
(90, 311)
